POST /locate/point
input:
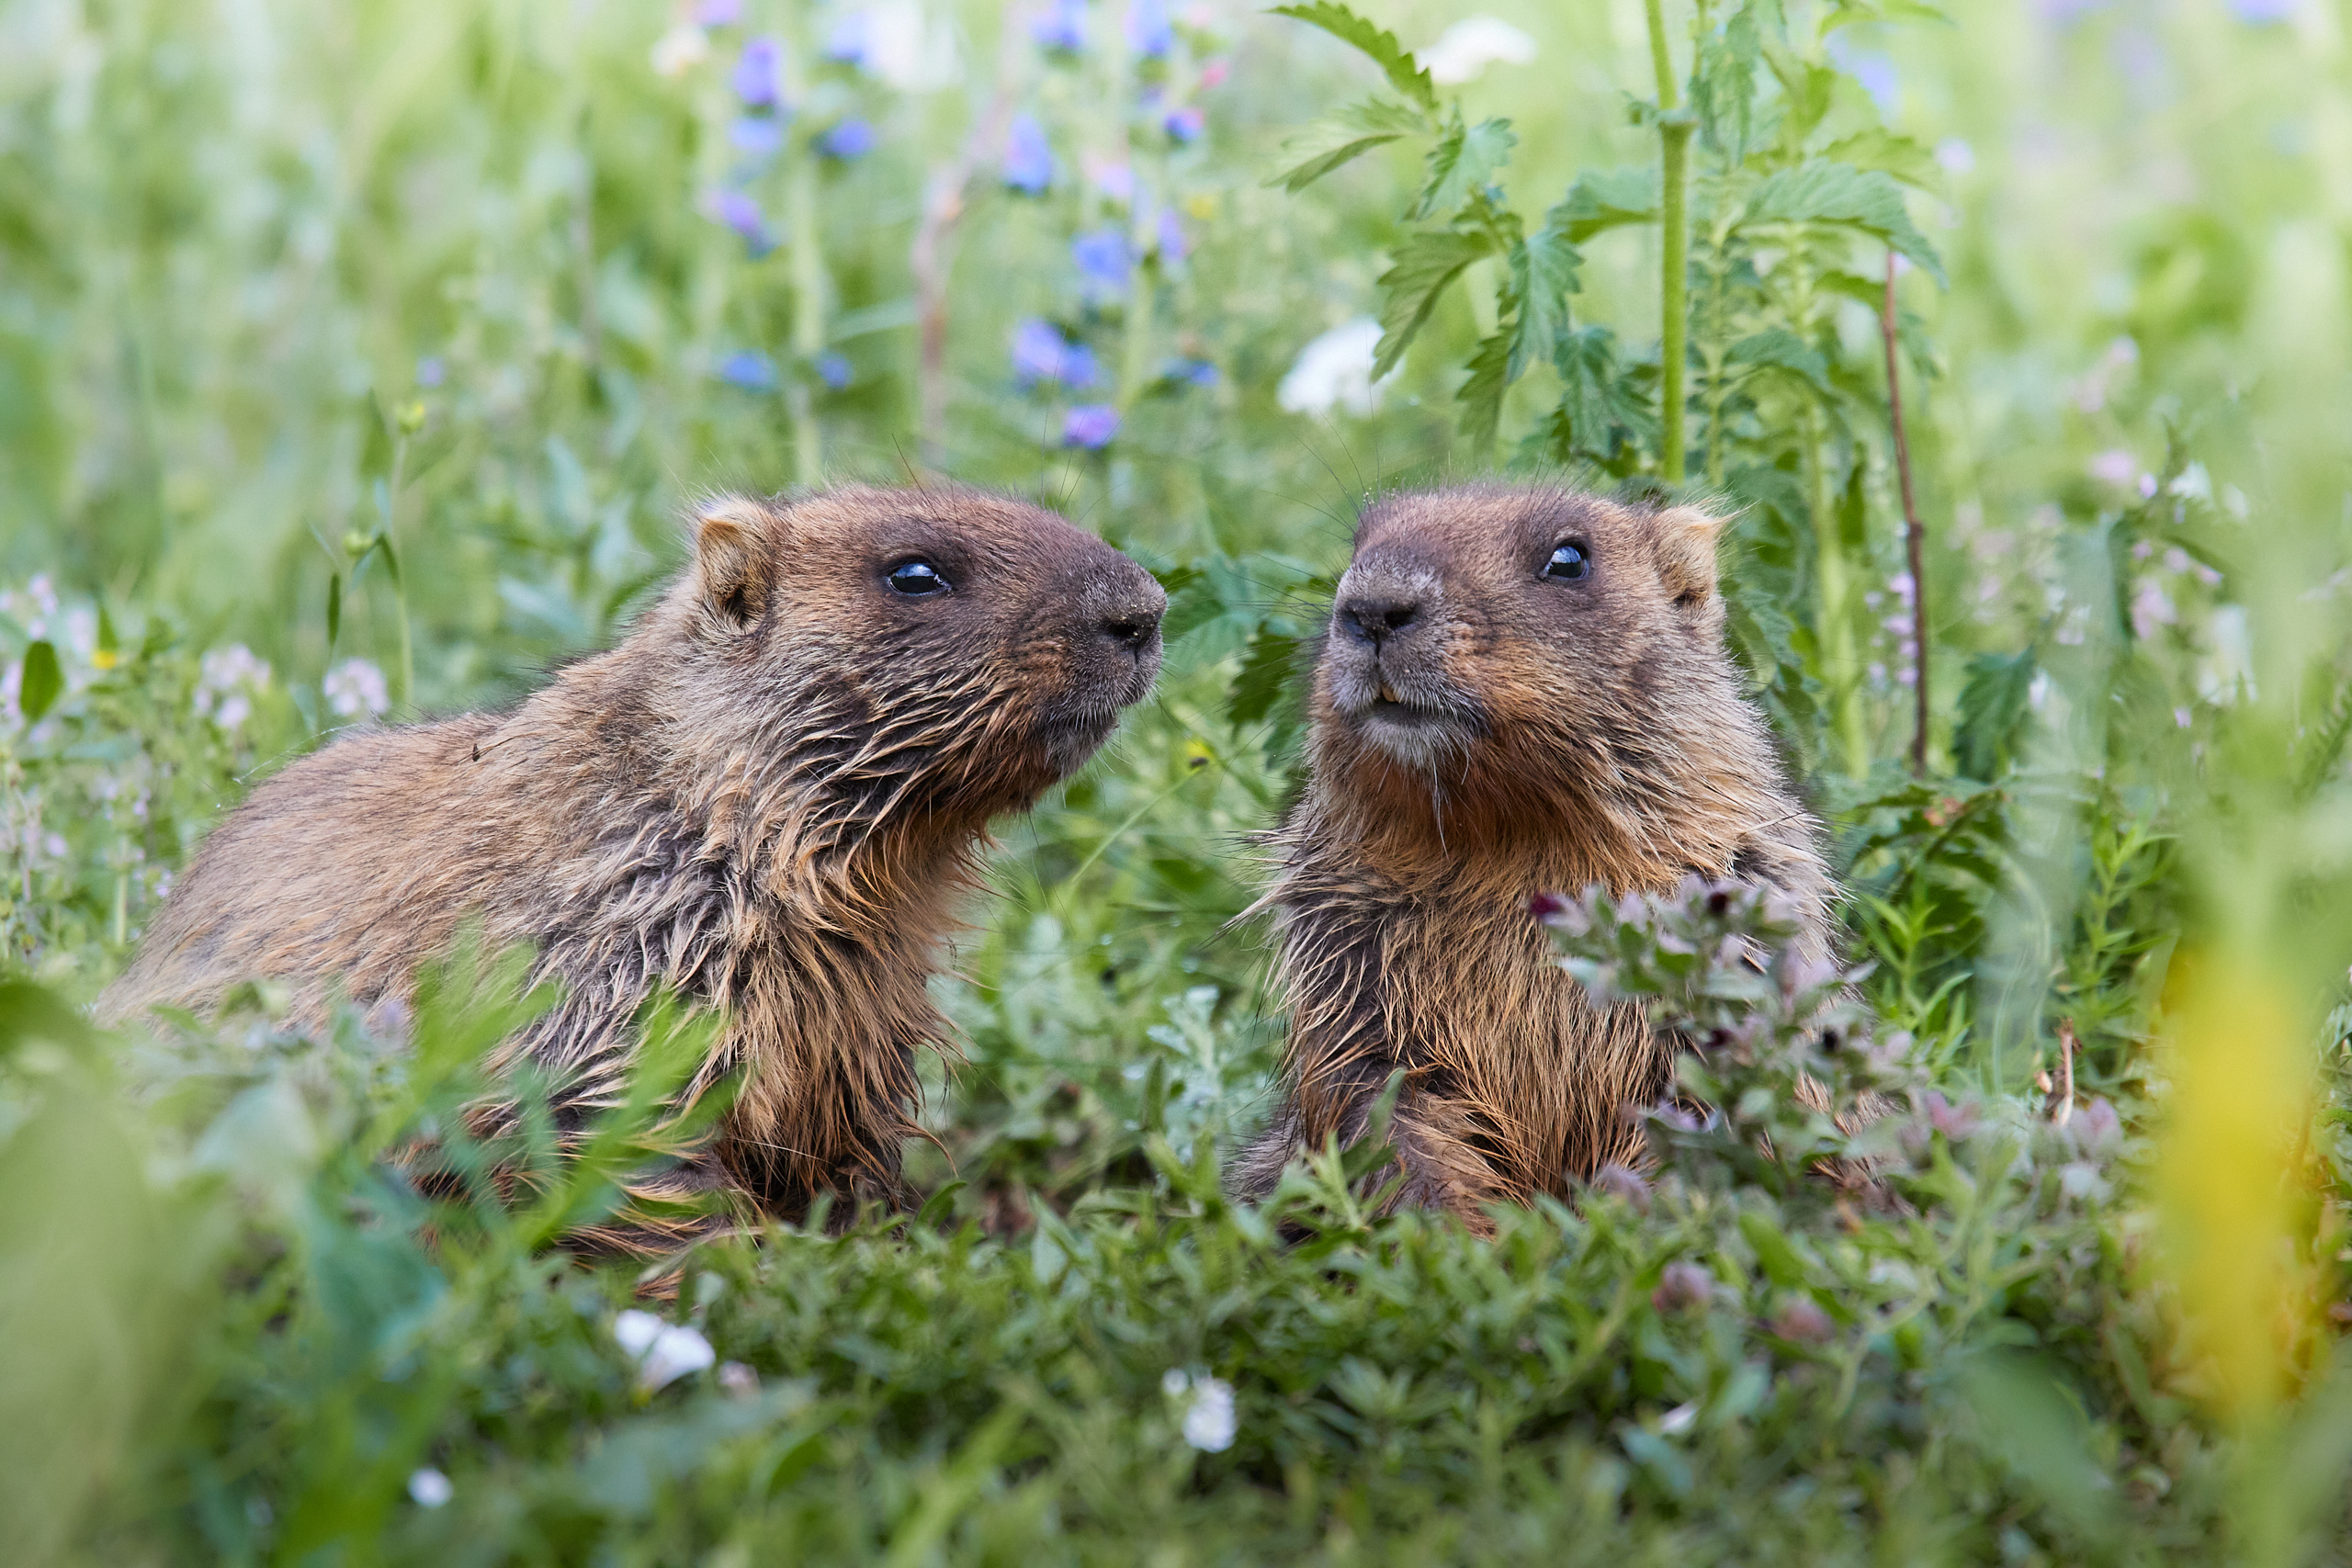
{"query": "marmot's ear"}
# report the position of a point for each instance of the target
(729, 537)
(1686, 554)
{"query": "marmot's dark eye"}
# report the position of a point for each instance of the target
(1570, 562)
(918, 579)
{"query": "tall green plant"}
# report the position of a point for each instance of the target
(1774, 176)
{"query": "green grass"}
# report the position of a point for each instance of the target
(396, 333)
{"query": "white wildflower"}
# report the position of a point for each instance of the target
(1208, 1420)
(225, 684)
(1464, 50)
(1335, 371)
(2116, 468)
(680, 49)
(2151, 608)
(1957, 157)
(356, 689)
(1678, 1419)
(430, 1488)
(663, 1352)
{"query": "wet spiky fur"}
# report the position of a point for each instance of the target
(1480, 734)
(768, 798)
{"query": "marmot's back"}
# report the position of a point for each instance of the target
(767, 797)
(1522, 690)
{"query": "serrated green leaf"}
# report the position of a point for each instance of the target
(1543, 273)
(1403, 72)
(1460, 165)
(1994, 705)
(1606, 198)
(1267, 666)
(1840, 196)
(1482, 395)
(1911, 161)
(1196, 605)
(1299, 178)
(1347, 135)
(1805, 91)
(41, 680)
(1781, 349)
(1409, 288)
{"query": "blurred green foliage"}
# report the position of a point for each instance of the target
(360, 359)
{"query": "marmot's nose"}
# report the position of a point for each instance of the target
(1374, 617)
(1132, 630)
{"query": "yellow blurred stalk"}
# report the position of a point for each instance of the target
(2230, 1174)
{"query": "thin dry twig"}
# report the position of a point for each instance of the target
(2060, 1105)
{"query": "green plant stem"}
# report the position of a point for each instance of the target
(808, 291)
(1674, 127)
(400, 578)
(1835, 626)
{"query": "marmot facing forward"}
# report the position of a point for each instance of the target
(767, 796)
(1522, 690)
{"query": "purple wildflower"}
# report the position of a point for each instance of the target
(1102, 258)
(430, 371)
(1190, 372)
(1148, 32)
(742, 214)
(1683, 1286)
(853, 138)
(1186, 124)
(1174, 246)
(1062, 26)
(1089, 426)
(1040, 353)
(1114, 180)
(1028, 159)
(751, 372)
(834, 369)
(759, 74)
(719, 12)
(756, 134)
(2259, 12)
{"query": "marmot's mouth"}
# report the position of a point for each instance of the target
(1396, 710)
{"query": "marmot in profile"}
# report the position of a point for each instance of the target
(1521, 691)
(767, 797)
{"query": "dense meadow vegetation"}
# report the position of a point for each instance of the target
(356, 362)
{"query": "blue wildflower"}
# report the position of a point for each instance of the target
(742, 214)
(1040, 353)
(430, 371)
(1102, 258)
(759, 74)
(1148, 32)
(846, 43)
(1186, 124)
(1174, 246)
(1062, 27)
(756, 134)
(719, 12)
(1028, 159)
(751, 372)
(834, 369)
(1089, 426)
(2259, 12)
(853, 138)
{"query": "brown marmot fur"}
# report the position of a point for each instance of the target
(767, 797)
(1521, 691)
